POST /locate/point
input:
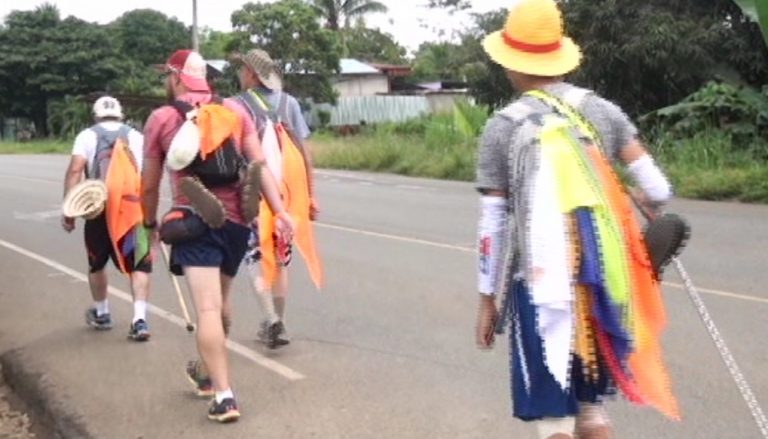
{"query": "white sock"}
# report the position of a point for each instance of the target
(102, 307)
(221, 396)
(139, 310)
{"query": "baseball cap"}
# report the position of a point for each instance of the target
(107, 106)
(191, 68)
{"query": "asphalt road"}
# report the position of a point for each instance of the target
(385, 350)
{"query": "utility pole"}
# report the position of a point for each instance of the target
(195, 37)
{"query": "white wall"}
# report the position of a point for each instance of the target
(362, 85)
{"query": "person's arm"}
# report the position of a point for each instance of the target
(493, 185)
(151, 170)
(299, 130)
(78, 163)
(653, 184)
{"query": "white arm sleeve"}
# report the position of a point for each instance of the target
(493, 224)
(650, 179)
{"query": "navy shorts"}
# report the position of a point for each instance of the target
(224, 248)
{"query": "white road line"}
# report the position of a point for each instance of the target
(463, 249)
(394, 237)
(235, 347)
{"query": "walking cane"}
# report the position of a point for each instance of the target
(177, 287)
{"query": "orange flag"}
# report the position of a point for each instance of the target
(645, 362)
(295, 191)
(123, 210)
(216, 124)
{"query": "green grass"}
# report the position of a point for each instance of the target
(707, 167)
(36, 147)
(396, 153)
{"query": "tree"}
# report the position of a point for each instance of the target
(334, 11)
(289, 31)
(150, 37)
(372, 45)
(438, 61)
(646, 55)
(43, 58)
(215, 44)
(451, 5)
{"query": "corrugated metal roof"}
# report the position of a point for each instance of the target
(351, 66)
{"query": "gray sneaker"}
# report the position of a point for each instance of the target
(99, 322)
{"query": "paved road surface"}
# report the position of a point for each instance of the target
(386, 350)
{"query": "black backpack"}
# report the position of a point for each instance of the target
(224, 166)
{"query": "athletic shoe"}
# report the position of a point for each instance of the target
(99, 322)
(251, 196)
(202, 383)
(224, 411)
(206, 204)
(273, 335)
(139, 331)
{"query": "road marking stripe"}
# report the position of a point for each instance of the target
(463, 249)
(235, 347)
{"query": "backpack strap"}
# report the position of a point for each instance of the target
(568, 111)
(105, 141)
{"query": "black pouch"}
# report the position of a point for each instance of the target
(181, 224)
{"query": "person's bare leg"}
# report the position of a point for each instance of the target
(593, 422)
(280, 292)
(98, 282)
(140, 291)
(205, 285)
(556, 428)
(226, 307)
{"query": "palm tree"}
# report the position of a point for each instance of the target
(333, 11)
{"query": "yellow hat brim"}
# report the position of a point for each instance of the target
(557, 63)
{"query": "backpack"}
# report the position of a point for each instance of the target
(223, 164)
(267, 119)
(105, 145)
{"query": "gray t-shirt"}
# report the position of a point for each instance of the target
(292, 116)
(518, 124)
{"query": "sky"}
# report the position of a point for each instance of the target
(405, 20)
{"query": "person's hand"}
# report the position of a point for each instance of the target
(67, 223)
(486, 322)
(285, 226)
(314, 210)
(648, 208)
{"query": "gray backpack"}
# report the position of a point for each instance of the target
(105, 143)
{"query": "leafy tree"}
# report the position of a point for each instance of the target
(372, 45)
(149, 37)
(289, 31)
(215, 44)
(43, 57)
(334, 11)
(438, 61)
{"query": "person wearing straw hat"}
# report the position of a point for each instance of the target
(547, 372)
(263, 94)
(211, 260)
(91, 155)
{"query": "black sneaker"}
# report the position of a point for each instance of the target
(139, 331)
(273, 335)
(99, 322)
(224, 411)
(202, 383)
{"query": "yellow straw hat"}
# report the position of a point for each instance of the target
(532, 41)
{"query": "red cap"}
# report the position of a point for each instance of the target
(191, 68)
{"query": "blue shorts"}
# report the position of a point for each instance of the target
(224, 248)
